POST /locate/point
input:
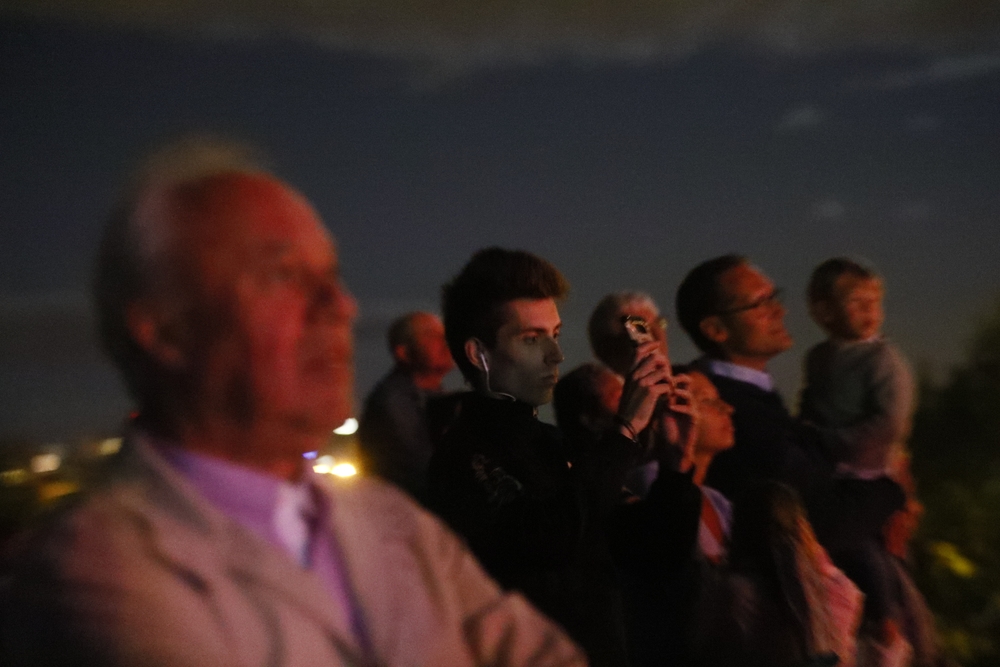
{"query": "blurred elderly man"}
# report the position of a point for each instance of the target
(611, 344)
(606, 329)
(394, 433)
(208, 542)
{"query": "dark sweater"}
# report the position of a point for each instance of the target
(770, 444)
(534, 512)
(394, 438)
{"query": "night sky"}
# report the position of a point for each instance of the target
(625, 172)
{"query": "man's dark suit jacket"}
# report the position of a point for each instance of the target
(770, 444)
(847, 514)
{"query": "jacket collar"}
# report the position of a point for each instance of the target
(760, 379)
(194, 535)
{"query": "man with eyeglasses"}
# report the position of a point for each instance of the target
(734, 314)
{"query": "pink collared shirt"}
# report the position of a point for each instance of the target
(290, 517)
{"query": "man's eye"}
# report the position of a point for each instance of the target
(280, 274)
(530, 340)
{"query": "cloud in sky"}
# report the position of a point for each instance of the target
(913, 211)
(16, 305)
(939, 71)
(463, 33)
(829, 210)
(801, 118)
(922, 122)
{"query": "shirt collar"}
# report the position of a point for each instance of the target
(727, 369)
(276, 510)
(848, 343)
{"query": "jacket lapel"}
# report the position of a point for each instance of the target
(379, 562)
(194, 535)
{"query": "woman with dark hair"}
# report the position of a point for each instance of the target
(778, 601)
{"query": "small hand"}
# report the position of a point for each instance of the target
(679, 422)
(648, 380)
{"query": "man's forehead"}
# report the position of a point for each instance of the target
(253, 210)
(526, 314)
(425, 323)
(847, 283)
(642, 309)
(743, 280)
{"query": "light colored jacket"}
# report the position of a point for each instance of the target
(144, 571)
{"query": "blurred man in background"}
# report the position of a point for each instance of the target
(612, 346)
(394, 433)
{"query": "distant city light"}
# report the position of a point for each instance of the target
(310, 455)
(109, 446)
(349, 427)
(43, 463)
(324, 464)
(14, 477)
(344, 470)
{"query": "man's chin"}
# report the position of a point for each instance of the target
(544, 399)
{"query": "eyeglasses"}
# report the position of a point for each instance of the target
(771, 300)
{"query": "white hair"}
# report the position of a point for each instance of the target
(134, 256)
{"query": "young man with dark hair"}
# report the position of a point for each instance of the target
(532, 508)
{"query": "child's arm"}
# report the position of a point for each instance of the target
(888, 408)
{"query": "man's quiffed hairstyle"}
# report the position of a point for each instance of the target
(824, 277)
(472, 302)
(133, 257)
(699, 296)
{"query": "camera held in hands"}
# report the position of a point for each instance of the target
(639, 332)
(637, 329)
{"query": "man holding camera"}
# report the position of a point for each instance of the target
(530, 505)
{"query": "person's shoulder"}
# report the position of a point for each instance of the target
(824, 347)
(102, 528)
(886, 347)
(372, 512)
(886, 356)
(392, 385)
(380, 503)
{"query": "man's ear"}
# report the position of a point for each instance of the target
(475, 352)
(401, 353)
(714, 329)
(157, 330)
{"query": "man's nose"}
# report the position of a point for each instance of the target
(554, 355)
(330, 295)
